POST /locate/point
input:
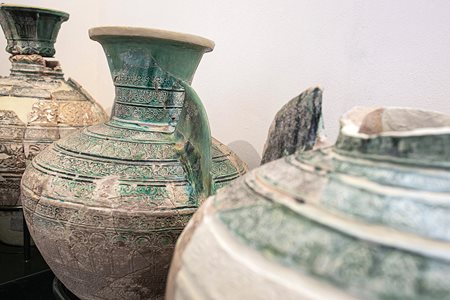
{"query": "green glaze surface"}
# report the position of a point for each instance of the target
(368, 217)
(151, 75)
(129, 186)
(361, 266)
(31, 30)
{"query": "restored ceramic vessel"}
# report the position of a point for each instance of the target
(367, 218)
(105, 206)
(37, 106)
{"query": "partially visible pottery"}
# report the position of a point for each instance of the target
(37, 105)
(298, 126)
(106, 205)
(368, 218)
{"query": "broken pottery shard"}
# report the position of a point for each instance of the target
(295, 127)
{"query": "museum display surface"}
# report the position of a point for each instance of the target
(367, 218)
(106, 205)
(37, 105)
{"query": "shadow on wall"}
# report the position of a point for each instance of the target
(246, 152)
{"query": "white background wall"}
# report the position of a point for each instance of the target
(386, 52)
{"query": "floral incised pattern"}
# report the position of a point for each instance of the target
(156, 79)
(44, 113)
(89, 167)
(12, 157)
(31, 47)
(96, 216)
(28, 59)
(110, 148)
(108, 130)
(142, 196)
(150, 97)
(59, 107)
(147, 114)
(82, 252)
(79, 113)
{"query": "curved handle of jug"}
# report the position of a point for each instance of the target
(193, 126)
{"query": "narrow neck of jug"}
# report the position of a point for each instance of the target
(147, 94)
(148, 68)
(31, 30)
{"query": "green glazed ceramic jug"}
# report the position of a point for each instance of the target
(106, 205)
(37, 105)
(368, 218)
